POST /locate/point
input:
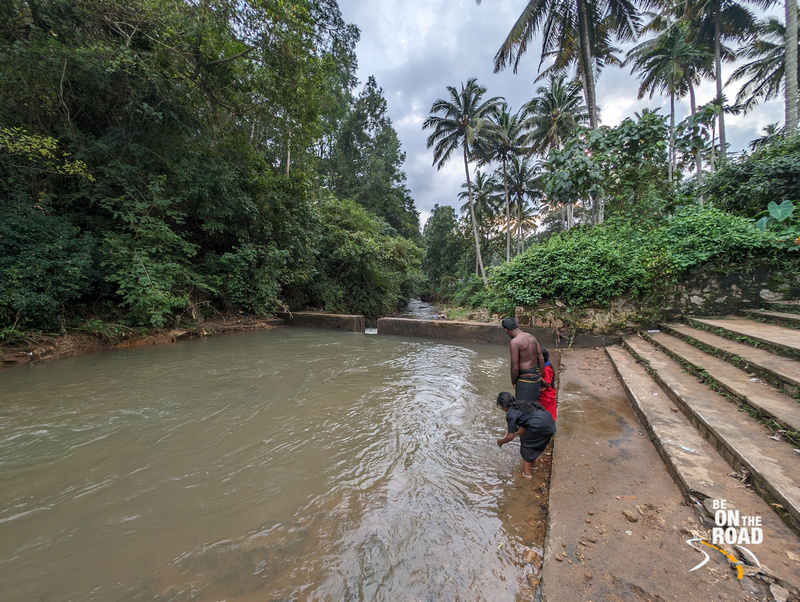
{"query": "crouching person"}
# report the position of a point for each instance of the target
(532, 423)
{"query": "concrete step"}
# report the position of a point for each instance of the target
(617, 523)
(781, 408)
(771, 367)
(785, 341)
(773, 465)
(700, 471)
(780, 318)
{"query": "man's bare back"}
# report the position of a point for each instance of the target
(526, 354)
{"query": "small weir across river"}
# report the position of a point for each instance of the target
(279, 465)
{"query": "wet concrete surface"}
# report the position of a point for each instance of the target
(618, 523)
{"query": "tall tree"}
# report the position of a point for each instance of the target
(524, 182)
(552, 116)
(714, 21)
(791, 66)
(670, 63)
(456, 124)
(444, 245)
(485, 197)
(504, 138)
(366, 162)
(561, 23)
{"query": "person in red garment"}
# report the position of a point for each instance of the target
(547, 395)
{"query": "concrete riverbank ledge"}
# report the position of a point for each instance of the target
(482, 332)
(349, 323)
(470, 332)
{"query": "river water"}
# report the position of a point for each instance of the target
(279, 465)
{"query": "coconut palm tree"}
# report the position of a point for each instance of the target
(525, 224)
(456, 123)
(570, 25)
(670, 63)
(792, 76)
(553, 114)
(486, 202)
(714, 21)
(771, 133)
(766, 68)
(524, 184)
(565, 53)
(504, 138)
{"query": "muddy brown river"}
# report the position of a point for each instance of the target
(291, 464)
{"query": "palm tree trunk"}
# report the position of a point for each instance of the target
(718, 68)
(698, 159)
(585, 53)
(790, 68)
(713, 141)
(478, 258)
(508, 214)
(671, 135)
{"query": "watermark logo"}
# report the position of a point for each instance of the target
(733, 528)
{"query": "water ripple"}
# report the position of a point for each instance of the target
(282, 465)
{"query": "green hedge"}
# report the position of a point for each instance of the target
(589, 266)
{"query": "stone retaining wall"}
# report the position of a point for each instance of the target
(478, 332)
(349, 323)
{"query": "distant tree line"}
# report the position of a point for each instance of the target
(164, 160)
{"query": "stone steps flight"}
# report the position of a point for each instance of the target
(702, 474)
(781, 408)
(700, 399)
(743, 442)
(782, 340)
(775, 368)
(775, 317)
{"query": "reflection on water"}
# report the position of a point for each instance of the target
(290, 464)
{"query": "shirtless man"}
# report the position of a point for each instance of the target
(527, 362)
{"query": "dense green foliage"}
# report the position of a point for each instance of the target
(746, 185)
(444, 247)
(161, 158)
(364, 266)
(623, 258)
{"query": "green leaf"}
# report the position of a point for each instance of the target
(782, 211)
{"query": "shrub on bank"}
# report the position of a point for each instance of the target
(591, 266)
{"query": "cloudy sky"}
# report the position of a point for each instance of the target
(416, 48)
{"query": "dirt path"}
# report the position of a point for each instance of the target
(618, 524)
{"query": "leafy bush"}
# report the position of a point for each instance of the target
(695, 235)
(363, 267)
(45, 262)
(784, 222)
(746, 185)
(579, 266)
(591, 266)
